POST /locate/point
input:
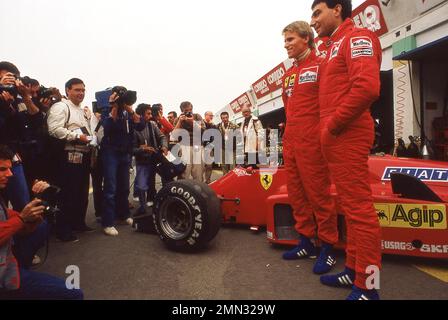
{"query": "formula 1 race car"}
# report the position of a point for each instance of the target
(411, 199)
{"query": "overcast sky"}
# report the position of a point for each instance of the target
(207, 52)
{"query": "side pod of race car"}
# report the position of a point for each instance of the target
(410, 196)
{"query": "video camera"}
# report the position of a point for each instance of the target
(102, 98)
(49, 199)
(126, 97)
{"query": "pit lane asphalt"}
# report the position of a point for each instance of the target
(239, 264)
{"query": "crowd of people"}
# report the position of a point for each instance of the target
(53, 139)
(48, 140)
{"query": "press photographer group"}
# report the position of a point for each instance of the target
(52, 146)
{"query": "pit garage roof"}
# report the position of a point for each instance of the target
(436, 51)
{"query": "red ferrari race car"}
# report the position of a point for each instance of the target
(411, 198)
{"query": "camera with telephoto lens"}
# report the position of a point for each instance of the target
(12, 89)
(45, 93)
(49, 199)
(125, 97)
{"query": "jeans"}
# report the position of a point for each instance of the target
(25, 247)
(97, 185)
(41, 286)
(17, 190)
(116, 186)
(144, 181)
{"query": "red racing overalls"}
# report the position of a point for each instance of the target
(308, 177)
(349, 84)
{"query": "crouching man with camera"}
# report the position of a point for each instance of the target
(17, 282)
(117, 147)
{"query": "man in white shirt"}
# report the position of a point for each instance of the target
(253, 135)
(69, 122)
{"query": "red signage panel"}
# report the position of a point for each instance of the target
(369, 15)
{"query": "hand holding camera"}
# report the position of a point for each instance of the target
(8, 79)
(6, 97)
(147, 149)
(33, 212)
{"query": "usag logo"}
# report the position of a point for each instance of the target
(308, 75)
(424, 174)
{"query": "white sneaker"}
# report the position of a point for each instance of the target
(110, 231)
(149, 204)
(129, 221)
(135, 199)
(36, 260)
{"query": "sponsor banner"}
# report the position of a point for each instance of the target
(412, 216)
(423, 174)
(270, 82)
(369, 15)
(237, 104)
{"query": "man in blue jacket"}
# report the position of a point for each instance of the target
(116, 146)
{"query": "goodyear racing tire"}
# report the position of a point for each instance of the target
(187, 215)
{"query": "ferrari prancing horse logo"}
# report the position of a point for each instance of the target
(266, 180)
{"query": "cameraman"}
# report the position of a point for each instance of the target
(17, 282)
(117, 147)
(192, 150)
(69, 122)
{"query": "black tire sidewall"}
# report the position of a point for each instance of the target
(204, 207)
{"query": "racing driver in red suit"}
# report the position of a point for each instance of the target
(349, 84)
(308, 176)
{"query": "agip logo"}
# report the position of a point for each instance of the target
(414, 216)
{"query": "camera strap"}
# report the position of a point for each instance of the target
(69, 114)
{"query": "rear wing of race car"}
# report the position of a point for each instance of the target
(412, 188)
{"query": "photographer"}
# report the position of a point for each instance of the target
(147, 147)
(208, 168)
(162, 123)
(117, 147)
(192, 150)
(69, 122)
(254, 136)
(18, 114)
(17, 282)
(172, 116)
(227, 129)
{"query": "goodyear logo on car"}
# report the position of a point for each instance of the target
(413, 216)
(424, 174)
